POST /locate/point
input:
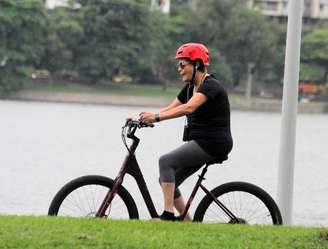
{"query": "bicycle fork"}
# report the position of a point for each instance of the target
(111, 193)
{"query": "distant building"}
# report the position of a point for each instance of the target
(315, 9)
(51, 4)
(160, 5)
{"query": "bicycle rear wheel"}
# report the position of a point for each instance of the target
(247, 202)
(83, 196)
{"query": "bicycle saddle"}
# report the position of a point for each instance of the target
(217, 160)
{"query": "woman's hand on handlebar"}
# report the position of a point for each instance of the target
(148, 117)
(133, 122)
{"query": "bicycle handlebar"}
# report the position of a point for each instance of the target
(132, 126)
(138, 124)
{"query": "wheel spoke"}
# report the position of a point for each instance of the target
(245, 205)
(86, 200)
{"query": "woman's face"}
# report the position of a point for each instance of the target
(185, 69)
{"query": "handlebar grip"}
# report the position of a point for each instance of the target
(145, 124)
(138, 123)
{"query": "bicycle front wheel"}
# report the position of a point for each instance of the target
(247, 203)
(83, 196)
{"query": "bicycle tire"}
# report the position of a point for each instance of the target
(82, 188)
(251, 192)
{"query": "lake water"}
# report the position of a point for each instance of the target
(44, 145)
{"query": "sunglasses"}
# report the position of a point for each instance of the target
(182, 65)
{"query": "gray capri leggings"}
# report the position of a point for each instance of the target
(181, 163)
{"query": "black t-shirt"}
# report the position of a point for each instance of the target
(209, 124)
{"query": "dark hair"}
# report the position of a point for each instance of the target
(199, 65)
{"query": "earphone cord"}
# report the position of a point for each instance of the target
(189, 86)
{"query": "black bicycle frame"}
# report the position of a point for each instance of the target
(130, 166)
(200, 185)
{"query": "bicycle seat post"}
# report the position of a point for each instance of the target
(193, 193)
(201, 176)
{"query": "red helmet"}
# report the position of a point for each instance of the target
(194, 51)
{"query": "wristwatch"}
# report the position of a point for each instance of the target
(157, 118)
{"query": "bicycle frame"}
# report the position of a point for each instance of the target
(200, 185)
(130, 166)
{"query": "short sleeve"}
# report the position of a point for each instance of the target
(210, 88)
(182, 96)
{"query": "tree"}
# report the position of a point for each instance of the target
(64, 34)
(251, 38)
(116, 37)
(209, 23)
(166, 38)
(311, 72)
(241, 35)
(221, 68)
(22, 28)
(315, 50)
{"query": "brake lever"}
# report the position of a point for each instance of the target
(145, 124)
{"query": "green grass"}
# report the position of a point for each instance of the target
(65, 233)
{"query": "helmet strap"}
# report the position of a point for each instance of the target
(193, 75)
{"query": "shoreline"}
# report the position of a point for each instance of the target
(256, 104)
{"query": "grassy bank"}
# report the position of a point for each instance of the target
(52, 232)
(116, 89)
(140, 95)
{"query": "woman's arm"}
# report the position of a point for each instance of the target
(197, 100)
(176, 102)
(177, 111)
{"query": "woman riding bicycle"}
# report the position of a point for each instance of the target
(207, 134)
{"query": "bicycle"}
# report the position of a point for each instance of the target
(99, 196)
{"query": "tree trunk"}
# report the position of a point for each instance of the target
(159, 73)
(325, 76)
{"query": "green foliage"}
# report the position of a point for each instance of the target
(104, 38)
(278, 62)
(22, 28)
(116, 37)
(315, 46)
(315, 50)
(252, 38)
(241, 35)
(66, 233)
(64, 33)
(166, 38)
(311, 72)
(12, 77)
(220, 68)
